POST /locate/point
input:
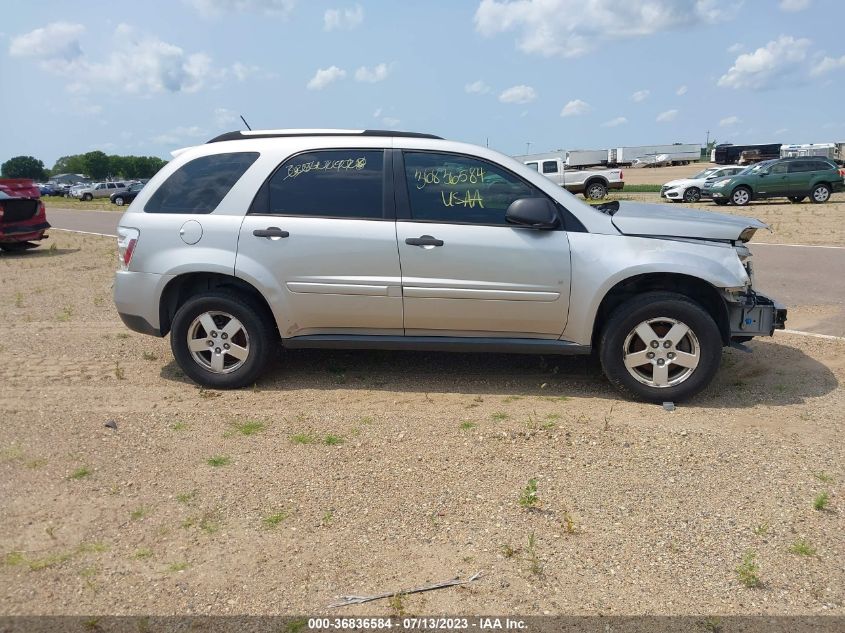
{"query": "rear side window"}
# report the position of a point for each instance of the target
(339, 183)
(550, 167)
(199, 185)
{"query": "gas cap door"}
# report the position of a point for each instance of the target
(191, 232)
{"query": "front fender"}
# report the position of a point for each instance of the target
(599, 262)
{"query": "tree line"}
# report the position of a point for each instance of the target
(97, 165)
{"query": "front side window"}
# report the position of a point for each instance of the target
(199, 185)
(533, 166)
(337, 183)
(550, 167)
(461, 189)
(780, 168)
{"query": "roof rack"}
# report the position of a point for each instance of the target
(243, 135)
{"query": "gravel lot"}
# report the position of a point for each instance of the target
(361, 472)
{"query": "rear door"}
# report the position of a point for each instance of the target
(799, 174)
(320, 241)
(465, 271)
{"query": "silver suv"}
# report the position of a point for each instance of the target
(387, 240)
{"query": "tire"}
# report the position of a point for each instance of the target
(820, 194)
(87, 197)
(655, 314)
(796, 199)
(721, 203)
(595, 191)
(119, 201)
(254, 334)
(693, 194)
(741, 196)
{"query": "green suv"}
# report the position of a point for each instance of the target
(792, 178)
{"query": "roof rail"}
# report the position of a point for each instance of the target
(243, 135)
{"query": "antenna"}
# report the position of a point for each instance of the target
(245, 123)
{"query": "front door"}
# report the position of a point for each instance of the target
(775, 182)
(321, 244)
(465, 272)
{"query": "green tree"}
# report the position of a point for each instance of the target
(97, 164)
(73, 164)
(23, 167)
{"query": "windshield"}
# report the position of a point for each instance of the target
(755, 169)
(704, 174)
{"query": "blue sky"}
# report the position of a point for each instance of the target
(555, 73)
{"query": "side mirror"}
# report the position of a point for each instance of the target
(537, 213)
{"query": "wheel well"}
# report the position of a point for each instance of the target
(183, 287)
(692, 287)
(594, 179)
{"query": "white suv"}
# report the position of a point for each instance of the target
(373, 239)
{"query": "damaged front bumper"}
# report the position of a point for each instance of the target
(752, 314)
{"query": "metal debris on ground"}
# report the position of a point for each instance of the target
(347, 600)
(669, 406)
(111, 424)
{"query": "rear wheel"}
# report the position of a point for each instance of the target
(741, 196)
(821, 193)
(796, 199)
(659, 347)
(595, 191)
(222, 340)
(693, 194)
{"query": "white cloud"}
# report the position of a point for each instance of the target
(216, 8)
(575, 107)
(735, 48)
(729, 121)
(390, 122)
(325, 76)
(56, 42)
(372, 75)
(681, 91)
(179, 135)
(640, 95)
(573, 27)
(343, 19)
(668, 116)
(828, 64)
(620, 120)
(242, 72)
(792, 6)
(477, 88)
(224, 117)
(518, 94)
(768, 63)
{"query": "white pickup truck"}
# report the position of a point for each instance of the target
(593, 183)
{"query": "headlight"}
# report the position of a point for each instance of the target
(719, 185)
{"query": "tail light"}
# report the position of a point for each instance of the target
(621, 177)
(127, 239)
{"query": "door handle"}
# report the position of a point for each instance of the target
(270, 231)
(423, 240)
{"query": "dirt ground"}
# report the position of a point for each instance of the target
(661, 175)
(361, 472)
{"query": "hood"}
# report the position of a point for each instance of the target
(683, 182)
(660, 220)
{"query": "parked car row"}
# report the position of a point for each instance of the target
(118, 192)
(791, 178)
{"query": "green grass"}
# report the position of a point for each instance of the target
(144, 552)
(821, 501)
(823, 477)
(499, 416)
(150, 356)
(802, 548)
(466, 425)
(186, 497)
(65, 315)
(218, 460)
(333, 440)
(641, 189)
(533, 557)
(80, 473)
(250, 427)
(748, 571)
(14, 559)
(274, 519)
(303, 438)
(528, 498)
(98, 204)
(178, 425)
(138, 513)
(762, 529)
(176, 567)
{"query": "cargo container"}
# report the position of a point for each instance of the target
(586, 157)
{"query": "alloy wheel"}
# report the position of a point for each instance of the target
(661, 352)
(218, 342)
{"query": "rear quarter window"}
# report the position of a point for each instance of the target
(199, 185)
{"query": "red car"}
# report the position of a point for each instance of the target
(22, 216)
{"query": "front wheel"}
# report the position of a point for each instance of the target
(693, 194)
(87, 196)
(595, 191)
(118, 201)
(660, 346)
(222, 340)
(741, 196)
(821, 193)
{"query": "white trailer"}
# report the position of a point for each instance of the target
(586, 157)
(826, 150)
(678, 154)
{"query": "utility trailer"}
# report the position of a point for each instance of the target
(586, 157)
(676, 154)
(729, 154)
